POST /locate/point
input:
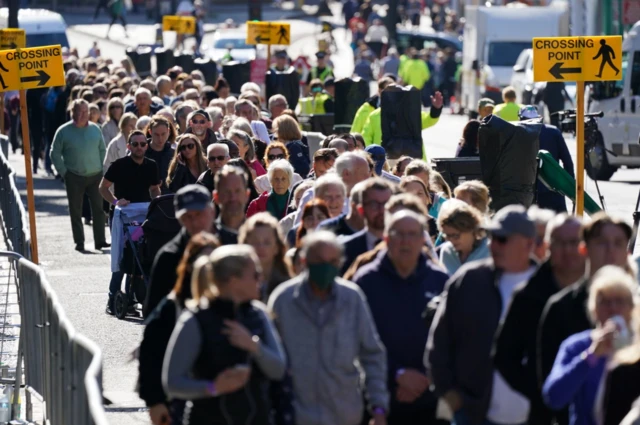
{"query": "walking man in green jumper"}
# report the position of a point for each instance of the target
(78, 152)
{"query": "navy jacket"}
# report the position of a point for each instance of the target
(299, 157)
(354, 246)
(551, 140)
(397, 305)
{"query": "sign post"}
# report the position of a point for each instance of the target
(268, 33)
(24, 69)
(579, 59)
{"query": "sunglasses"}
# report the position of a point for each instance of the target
(274, 157)
(217, 158)
(499, 239)
(141, 144)
(199, 121)
(190, 146)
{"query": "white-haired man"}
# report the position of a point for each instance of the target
(143, 105)
(217, 157)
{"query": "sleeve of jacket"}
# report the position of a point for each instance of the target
(373, 356)
(368, 131)
(430, 119)
(549, 339)
(438, 356)
(253, 208)
(569, 372)
(110, 156)
(511, 345)
(56, 153)
(361, 118)
(159, 279)
(102, 147)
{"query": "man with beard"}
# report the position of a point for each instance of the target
(231, 195)
(199, 124)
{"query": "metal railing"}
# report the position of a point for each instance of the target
(14, 218)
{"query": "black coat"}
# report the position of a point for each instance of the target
(354, 246)
(164, 271)
(623, 388)
(516, 346)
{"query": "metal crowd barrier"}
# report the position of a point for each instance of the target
(14, 218)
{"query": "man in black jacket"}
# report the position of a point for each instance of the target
(196, 214)
(516, 347)
(463, 330)
(231, 195)
(604, 242)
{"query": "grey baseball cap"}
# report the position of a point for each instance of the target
(193, 197)
(512, 220)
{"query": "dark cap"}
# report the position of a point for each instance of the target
(321, 55)
(202, 112)
(280, 53)
(512, 220)
(378, 155)
(193, 197)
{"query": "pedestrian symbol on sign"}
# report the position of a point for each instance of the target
(282, 33)
(607, 53)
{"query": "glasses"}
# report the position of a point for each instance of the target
(274, 157)
(217, 158)
(141, 144)
(451, 236)
(189, 146)
(613, 302)
(199, 121)
(374, 204)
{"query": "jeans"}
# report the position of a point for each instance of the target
(77, 186)
(116, 283)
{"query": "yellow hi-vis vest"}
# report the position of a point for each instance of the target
(313, 105)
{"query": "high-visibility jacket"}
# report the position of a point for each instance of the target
(312, 105)
(372, 132)
(415, 72)
(507, 111)
(362, 114)
(322, 75)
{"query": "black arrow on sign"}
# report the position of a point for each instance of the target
(42, 78)
(9, 46)
(260, 39)
(557, 70)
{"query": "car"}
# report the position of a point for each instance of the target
(420, 40)
(234, 42)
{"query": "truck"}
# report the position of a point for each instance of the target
(617, 142)
(493, 39)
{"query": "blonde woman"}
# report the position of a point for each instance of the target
(115, 110)
(187, 164)
(579, 370)
(224, 352)
(474, 193)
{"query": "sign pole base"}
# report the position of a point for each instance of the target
(31, 203)
(580, 148)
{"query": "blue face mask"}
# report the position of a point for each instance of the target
(322, 275)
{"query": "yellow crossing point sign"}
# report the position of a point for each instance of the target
(12, 38)
(268, 33)
(593, 58)
(31, 68)
(179, 24)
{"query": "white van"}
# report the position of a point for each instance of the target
(620, 102)
(42, 27)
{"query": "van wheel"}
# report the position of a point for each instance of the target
(597, 165)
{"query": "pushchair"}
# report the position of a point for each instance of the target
(142, 243)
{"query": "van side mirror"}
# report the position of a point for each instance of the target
(475, 65)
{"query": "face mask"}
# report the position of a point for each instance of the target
(323, 274)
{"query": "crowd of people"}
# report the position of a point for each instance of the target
(337, 286)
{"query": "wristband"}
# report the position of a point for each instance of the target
(211, 389)
(379, 411)
(115, 202)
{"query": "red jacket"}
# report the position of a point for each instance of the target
(258, 205)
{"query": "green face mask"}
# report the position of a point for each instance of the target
(323, 274)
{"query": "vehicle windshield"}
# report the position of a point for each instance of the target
(234, 43)
(37, 40)
(505, 53)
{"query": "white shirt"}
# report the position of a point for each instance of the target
(308, 196)
(508, 406)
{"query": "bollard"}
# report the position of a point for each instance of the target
(132, 53)
(236, 73)
(350, 95)
(164, 60)
(209, 68)
(143, 64)
(286, 83)
(185, 61)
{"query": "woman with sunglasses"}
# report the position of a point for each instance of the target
(274, 151)
(187, 164)
(275, 201)
(115, 110)
(461, 226)
(222, 354)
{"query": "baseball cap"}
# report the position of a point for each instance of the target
(280, 53)
(528, 112)
(485, 101)
(379, 156)
(193, 197)
(202, 112)
(512, 220)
